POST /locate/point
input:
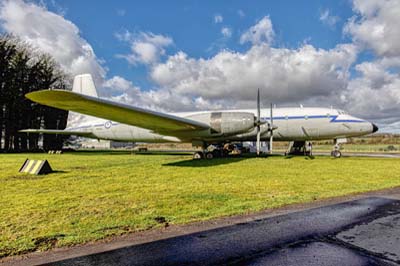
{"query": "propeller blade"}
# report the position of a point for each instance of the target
(271, 138)
(270, 143)
(258, 122)
(258, 107)
(258, 140)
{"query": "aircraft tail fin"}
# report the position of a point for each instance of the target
(84, 84)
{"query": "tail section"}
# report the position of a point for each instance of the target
(84, 84)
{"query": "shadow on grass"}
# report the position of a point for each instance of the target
(205, 162)
(218, 161)
(58, 172)
(306, 157)
(163, 153)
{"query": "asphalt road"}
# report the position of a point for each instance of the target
(359, 232)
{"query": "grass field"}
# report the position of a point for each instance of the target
(94, 195)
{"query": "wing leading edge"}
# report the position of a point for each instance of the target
(158, 122)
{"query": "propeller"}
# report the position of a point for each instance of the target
(258, 123)
(271, 128)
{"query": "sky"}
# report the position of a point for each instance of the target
(205, 55)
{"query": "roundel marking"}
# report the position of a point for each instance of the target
(107, 124)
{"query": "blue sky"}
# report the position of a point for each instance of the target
(192, 26)
(197, 55)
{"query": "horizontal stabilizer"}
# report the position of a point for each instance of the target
(55, 131)
(126, 114)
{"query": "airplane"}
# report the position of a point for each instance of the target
(110, 120)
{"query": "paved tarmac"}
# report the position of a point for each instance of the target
(365, 231)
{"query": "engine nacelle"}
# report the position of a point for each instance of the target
(227, 123)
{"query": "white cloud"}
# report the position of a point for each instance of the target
(119, 84)
(60, 38)
(262, 32)
(375, 93)
(146, 47)
(376, 26)
(52, 34)
(241, 13)
(328, 19)
(283, 75)
(226, 32)
(218, 18)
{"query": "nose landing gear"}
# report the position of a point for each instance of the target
(336, 150)
(336, 154)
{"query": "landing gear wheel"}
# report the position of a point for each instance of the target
(209, 155)
(198, 155)
(336, 154)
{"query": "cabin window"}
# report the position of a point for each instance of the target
(286, 117)
(306, 117)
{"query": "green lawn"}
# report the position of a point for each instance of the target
(95, 195)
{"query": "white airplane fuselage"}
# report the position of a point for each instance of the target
(292, 124)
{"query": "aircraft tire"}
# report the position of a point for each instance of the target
(336, 154)
(198, 155)
(209, 155)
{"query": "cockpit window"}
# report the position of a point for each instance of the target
(341, 112)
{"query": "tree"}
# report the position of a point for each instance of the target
(24, 70)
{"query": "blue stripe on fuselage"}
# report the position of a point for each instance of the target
(333, 118)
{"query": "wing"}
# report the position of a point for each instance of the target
(156, 121)
(60, 132)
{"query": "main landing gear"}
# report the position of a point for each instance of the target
(299, 148)
(217, 151)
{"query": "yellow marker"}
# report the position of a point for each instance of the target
(29, 166)
(36, 167)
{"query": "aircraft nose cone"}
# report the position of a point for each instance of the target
(374, 128)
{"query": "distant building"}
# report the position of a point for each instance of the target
(106, 144)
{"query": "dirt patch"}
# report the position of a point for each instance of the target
(161, 220)
(40, 244)
(45, 243)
